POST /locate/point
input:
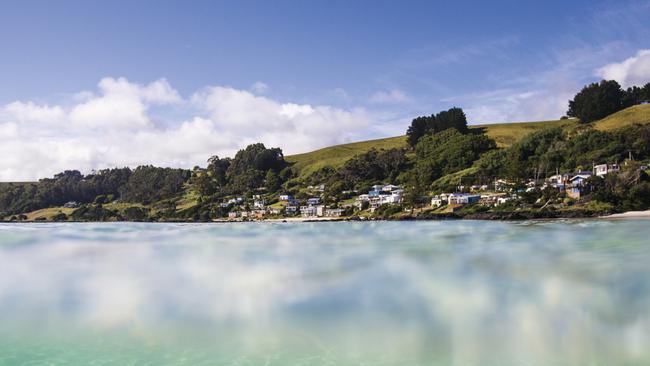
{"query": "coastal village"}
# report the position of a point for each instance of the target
(572, 185)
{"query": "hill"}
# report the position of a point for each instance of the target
(505, 134)
(335, 156)
(636, 114)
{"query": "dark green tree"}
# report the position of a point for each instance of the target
(596, 101)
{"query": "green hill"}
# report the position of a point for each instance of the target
(335, 156)
(637, 114)
(505, 134)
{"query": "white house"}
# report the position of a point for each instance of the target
(312, 211)
(463, 198)
(503, 199)
(259, 204)
(390, 188)
(313, 201)
(437, 201)
(604, 169)
(333, 212)
(286, 197)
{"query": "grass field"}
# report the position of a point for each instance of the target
(637, 114)
(335, 156)
(505, 134)
(48, 213)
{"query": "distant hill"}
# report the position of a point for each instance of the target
(505, 134)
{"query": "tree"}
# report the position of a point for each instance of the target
(448, 152)
(427, 125)
(272, 181)
(149, 184)
(452, 118)
(418, 128)
(249, 168)
(596, 101)
(373, 167)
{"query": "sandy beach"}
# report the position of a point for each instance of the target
(629, 215)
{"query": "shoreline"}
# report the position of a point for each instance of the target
(505, 216)
(629, 215)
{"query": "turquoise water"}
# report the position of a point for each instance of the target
(387, 293)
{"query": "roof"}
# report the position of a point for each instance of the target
(581, 176)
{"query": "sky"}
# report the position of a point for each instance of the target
(94, 84)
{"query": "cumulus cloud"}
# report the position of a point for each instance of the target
(632, 71)
(126, 124)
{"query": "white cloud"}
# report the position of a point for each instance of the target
(389, 97)
(259, 87)
(632, 71)
(119, 125)
(122, 104)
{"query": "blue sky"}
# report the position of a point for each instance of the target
(378, 62)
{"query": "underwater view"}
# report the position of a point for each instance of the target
(345, 293)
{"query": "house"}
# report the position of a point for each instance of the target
(574, 192)
(463, 198)
(258, 214)
(502, 185)
(291, 209)
(71, 204)
(579, 180)
(390, 188)
(363, 197)
(503, 199)
(604, 169)
(333, 212)
(377, 187)
(312, 211)
(274, 211)
(235, 200)
(313, 201)
(286, 197)
(394, 197)
(478, 187)
(234, 214)
(578, 185)
(559, 181)
(438, 201)
(259, 204)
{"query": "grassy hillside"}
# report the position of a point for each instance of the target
(505, 134)
(637, 114)
(335, 156)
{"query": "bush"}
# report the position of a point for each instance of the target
(60, 217)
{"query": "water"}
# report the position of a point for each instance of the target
(389, 293)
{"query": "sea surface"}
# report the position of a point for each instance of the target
(347, 293)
